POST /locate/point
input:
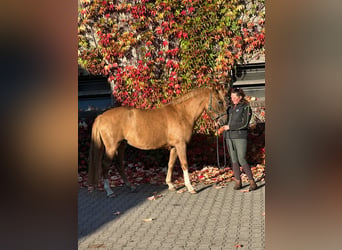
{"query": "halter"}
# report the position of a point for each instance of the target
(210, 108)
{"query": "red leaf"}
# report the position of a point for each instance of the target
(181, 191)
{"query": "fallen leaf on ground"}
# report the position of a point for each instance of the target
(238, 245)
(181, 191)
(148, 219)
(154, 197)
(138, 174)
(244, 191)
(117, 213)
(151, 198)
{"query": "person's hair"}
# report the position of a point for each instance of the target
(239, 92)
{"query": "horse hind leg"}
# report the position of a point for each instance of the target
(108, 160)
(110, 151)
(172, 160)
(120, 166)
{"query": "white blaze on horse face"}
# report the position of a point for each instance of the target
(107, 187)
(187, 180)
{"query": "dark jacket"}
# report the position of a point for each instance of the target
(238, 118)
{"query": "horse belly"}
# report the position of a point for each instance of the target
(147, 140)
(149, 136)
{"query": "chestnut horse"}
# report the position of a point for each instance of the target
(169, 126)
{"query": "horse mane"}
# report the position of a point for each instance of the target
(188, 95)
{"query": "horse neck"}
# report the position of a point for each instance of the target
(194, 107)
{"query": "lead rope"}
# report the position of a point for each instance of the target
(217, 151)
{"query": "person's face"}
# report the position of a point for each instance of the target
(235, 98)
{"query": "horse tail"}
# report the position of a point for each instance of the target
(95, 154)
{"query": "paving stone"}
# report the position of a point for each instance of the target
(211, 219)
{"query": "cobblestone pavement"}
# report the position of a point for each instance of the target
(212, 219)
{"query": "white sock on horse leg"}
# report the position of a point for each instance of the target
(107, 187)
(168, 181)
(187, 180)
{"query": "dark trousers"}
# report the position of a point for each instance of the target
(237, 151)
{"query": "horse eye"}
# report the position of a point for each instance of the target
(220, 102)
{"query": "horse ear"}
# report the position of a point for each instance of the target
(221, 90)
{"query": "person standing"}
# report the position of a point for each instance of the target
(235, 126)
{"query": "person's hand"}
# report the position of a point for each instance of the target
(225, 127)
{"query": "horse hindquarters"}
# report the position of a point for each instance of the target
(96, 166)
(112, 139)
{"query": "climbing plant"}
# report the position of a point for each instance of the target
(153, 51)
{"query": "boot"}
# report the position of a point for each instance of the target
(248, 172)
(252, 185)
(238, 185)
(236, 171)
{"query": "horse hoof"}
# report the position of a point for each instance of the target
(172, 189)
(111, 196)
(193, 192)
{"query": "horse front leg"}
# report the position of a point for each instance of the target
(172, 160)
(181, 151)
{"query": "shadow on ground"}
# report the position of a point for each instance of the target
(90, 205)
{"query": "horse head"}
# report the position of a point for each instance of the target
(217, 105)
